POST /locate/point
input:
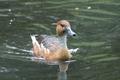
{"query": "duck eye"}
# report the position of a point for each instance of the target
(62, 25)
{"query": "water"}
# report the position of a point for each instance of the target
(97, 23)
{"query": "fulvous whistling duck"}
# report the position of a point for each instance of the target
(54, 48)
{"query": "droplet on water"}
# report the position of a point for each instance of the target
(11, 20)
(76, 8)
(10, 23)
(89, 7)
(9, 10)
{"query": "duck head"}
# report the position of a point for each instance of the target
(64, 28)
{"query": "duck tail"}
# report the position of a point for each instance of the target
(34, 41)
(38, 49)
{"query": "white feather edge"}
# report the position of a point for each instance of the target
(34, 40)
(39, 45)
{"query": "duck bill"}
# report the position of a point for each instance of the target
(70, 32)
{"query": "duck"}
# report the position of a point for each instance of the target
(54, 48)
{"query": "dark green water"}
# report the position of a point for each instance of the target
(97, 23)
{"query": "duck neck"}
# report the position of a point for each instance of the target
(63, 40)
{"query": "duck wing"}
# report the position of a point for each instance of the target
(50, 42)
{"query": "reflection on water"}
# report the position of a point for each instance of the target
(97, 23)
(62, 76)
